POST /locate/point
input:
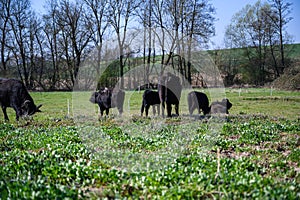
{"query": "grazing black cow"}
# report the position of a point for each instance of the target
(198, 100)
(150, 98)
(13, 93)
(220, 107)
(169, 90)
(107, 99)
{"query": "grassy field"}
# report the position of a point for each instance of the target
(251, 101)
(67, 152)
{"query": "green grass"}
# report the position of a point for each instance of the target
(251, 154)
(285, 104)
(293, 51)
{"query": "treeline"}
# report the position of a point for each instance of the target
(259, 33)
(47, 50)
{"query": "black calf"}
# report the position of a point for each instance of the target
(150, 98)
(198, 100)
(107, 99)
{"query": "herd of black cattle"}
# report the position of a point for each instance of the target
(13, 93)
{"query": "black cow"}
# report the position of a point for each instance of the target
(13, 93)
(150, 98)
(198, 100)
(169, 90)
(220, 106)
(107, 99)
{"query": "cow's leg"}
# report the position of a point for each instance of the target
(163, 109)
(191, 103)
(206, 110)
(153, 110)
(169, 109)
(107, 111)
(200, 106)
(177, 109)
(147, 109)
(5, 114)
(142, 109)
(101, 111)
(191, 108)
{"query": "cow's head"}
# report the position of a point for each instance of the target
(227, 103)
(100, 96)
(94, 97)
(29, 108)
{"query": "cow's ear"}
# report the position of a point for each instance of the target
(38, 108)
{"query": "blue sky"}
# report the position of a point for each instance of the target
(225, 9)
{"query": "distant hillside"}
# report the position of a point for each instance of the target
(240, 66)
(294, 51)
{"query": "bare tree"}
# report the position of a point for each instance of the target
(146, 18)
(160, 17)
(53, 55)
(198, 26)
(121, 12)
(5, 29)
(97, 16)
(36, 51)
(281, 18)
(75, 35)
(20, 22)
(271, 37)
(40, 61)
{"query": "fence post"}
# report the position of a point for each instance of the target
(271, 92)
(68, 104)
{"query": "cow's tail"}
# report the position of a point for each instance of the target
(142, 108)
